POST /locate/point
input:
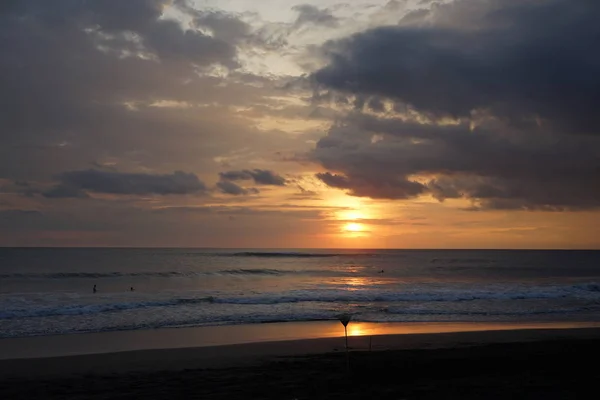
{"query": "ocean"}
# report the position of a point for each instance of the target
(48, 291)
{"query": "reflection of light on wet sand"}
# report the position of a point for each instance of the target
(355, 330)
(396, 328)
(362, 336)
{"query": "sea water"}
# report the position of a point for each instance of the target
(50, 291)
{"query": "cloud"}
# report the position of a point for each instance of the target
(305, 194)
(260, 176)
(493, 102)
(229, 187)
(494, 165)
(520, 60)
(312, 15)
(64, 191)
(72, 182)
(392, 187)
(135, 24)
(145, 85)
(87, 81)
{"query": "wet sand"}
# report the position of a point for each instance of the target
(528, 364)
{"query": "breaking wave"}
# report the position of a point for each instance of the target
(588, 291)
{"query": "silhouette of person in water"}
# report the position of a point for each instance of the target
(381, 272)
(131, 289)
(94, 289)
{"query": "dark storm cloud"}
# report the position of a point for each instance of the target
(231, 188)
(508, 170)
(497, 100)
(519, 59)
(126, 183)
(311, 15)
(260, 176)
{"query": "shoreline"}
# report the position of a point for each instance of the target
(519, 363)
(223, 335)
(254, 353)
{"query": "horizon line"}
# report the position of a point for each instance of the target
(304, 248)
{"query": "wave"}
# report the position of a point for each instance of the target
(173, 274)
(356, 298)
(220, 320)
(421, 316)
(590, 287)
(87, 309)
(497, 313)
(344, 297)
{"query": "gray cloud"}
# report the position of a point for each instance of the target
(120, 86)
(81, 79)
(311, 15)
(385, 187)
(229, 187)
(178, 182)
(493, 165)
(518, 59)
(116, 21)
(230, 27)
(495, 106)
(260, 176)
(305, 194)
(63, 191)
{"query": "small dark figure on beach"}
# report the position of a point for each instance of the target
(381, 272)
(94, 289)
(131, 289)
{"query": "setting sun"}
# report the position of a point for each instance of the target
(353, 227)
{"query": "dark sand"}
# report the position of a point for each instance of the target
(527, 364)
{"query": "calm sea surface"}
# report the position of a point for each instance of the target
(49, 291)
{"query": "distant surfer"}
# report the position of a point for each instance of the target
(131, 289)
(94, 289)
(381, 272)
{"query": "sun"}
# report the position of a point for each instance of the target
(353, 227)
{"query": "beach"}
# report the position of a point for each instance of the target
(520, 363)
(216, 324)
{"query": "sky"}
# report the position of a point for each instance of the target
(300, 124)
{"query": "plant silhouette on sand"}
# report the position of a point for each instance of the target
(345, 320)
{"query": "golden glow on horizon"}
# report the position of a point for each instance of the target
(351, 218)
